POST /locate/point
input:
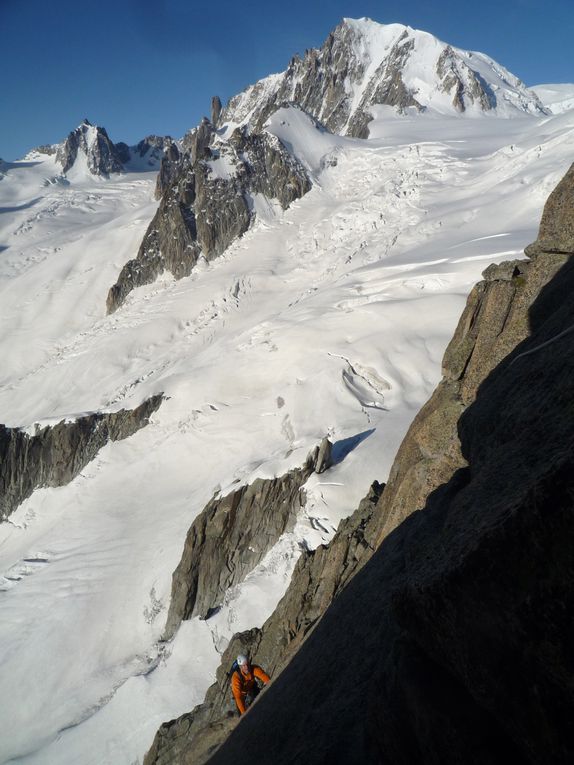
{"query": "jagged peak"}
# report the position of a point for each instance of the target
(363, 64)
(93, 143)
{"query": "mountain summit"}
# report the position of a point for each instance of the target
(90, 148)
(363, 64)
(92, 142)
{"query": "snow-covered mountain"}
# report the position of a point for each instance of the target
(236, 164)
(89, 150)
(301, 282)
(363, 64)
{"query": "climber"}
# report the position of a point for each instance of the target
(244, 684)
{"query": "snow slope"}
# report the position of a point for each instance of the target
(329, 318)
(557, 98)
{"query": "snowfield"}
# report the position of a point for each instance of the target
(330, 318)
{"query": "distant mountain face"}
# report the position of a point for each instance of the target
(93, 143)
(208, 182)
(363, 64)
(90, 144)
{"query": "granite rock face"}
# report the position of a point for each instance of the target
(208, 200)
(449, 595)
(54, 456)
(168, 169)
(557, 225)
(216, 107)
(231, 536)
(458, 631)
(318, 577)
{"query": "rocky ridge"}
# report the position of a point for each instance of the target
(104, 157)
(457, 630)
(101, 154)
(439, 625)
(54, 456)
(318, 577)
(232, 535)
(207, 201)
(363, 64)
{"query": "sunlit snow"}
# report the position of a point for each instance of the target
(327, 319)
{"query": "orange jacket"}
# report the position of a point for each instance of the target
(244, 683)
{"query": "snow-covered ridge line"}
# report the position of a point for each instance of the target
(363, 64)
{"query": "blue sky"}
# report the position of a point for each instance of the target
(151, 66)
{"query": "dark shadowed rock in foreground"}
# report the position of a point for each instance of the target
(54, 456)
(454, 642)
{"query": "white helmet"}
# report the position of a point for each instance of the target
(242, 659)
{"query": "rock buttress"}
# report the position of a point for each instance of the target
(201, 211)
(318, 577)
(54, 456)
(457, 634)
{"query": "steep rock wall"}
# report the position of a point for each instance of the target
(54, 456)
(318, 577)
(457, 633)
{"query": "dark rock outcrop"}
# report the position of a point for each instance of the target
(231, 535)
(54, 456)
(208, 202)
(153, 147)
(457, 633)
(318, 577)
(216, 108)
(386, 87)
(462, 83)
(123, 152)
(92, 140)
(168, 169)
(102, 155)
(556, 233)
